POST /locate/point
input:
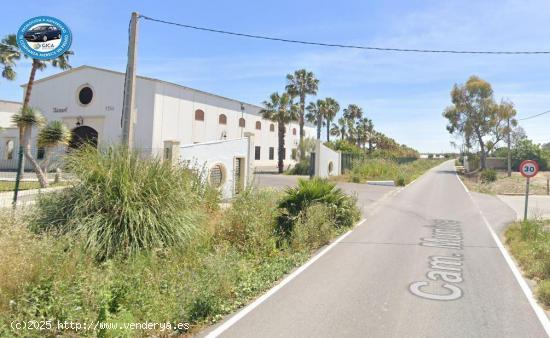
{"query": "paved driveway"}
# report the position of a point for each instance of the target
(538, 206)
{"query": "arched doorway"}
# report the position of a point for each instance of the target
(83, 135)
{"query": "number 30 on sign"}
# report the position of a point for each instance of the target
(529, 168)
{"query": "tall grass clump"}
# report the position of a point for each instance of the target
(250, 224)
(388, 169)
(529, 242)
(316, 191)
(122, 203)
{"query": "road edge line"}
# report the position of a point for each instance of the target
(247, 309)
(539, 311)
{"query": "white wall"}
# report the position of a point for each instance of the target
(175, 108)
(326, 159)
(7, 110)
(204, 156)
(104, 111)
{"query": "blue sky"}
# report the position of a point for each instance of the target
(403, 93)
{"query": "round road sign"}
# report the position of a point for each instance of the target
(529, 168)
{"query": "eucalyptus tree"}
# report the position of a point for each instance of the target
(302, 83)
(279, 109)
(331, 109)
(316, 113)
(27, 119)
(475, 115)
(54, 134)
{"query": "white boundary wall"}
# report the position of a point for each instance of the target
(327, 161)
(206, 155)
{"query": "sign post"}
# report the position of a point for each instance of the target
(528, 169)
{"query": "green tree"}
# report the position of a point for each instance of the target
(340, 129)
(331, 109)
(9, 54)
(27, 119)
(61, 62)
(300, 84)
(316, 113)
(475, 115)
(52, 135)
(278, 109)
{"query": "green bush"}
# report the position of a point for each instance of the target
(316, 191)
(488, 175)
(122, 203)
(300, 168)
(313, 228)
(250, 223)
(543, 292)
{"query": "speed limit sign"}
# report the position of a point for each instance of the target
(529, 168)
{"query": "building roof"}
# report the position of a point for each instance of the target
(150, 79)
(8, 101)
(139, 77)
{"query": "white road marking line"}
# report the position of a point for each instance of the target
(517, 274)
(239, 315)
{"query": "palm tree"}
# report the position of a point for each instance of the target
(52, 135)
(9, 54)
(331, 109)
(26, 119)
(365, 129)
(340, 129)
(353, 112)
(316, 114)
(278, 109)
(302, 83)
(9, 45)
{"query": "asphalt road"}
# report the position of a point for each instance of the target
(386, 278)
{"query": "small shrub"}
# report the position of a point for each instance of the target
(400, 181)
(249, 224)
(488, 175)
(314, 191)
(543, 292)
(314, 227)
(122, 203)
(300, 168)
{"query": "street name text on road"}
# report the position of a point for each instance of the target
(445, 271)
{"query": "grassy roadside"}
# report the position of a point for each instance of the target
(529, 243)
(24, 185)
(382, 169)
(138, 241)
(507, 185)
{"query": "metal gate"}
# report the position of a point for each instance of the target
(238, 175)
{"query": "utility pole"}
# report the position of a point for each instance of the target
(509, 150)
(128, 104)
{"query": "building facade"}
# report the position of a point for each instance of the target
(89, 101)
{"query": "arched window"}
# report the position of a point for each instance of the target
(272, 127)
(199, 115)
(293, 131)
(258, 125)
(242, 122)
(222, 119)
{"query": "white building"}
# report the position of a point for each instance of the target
(8, 129)
(89, 101)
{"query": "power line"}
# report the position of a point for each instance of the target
(338, 45)
(533, 116)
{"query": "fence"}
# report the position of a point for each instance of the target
(51, 161)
